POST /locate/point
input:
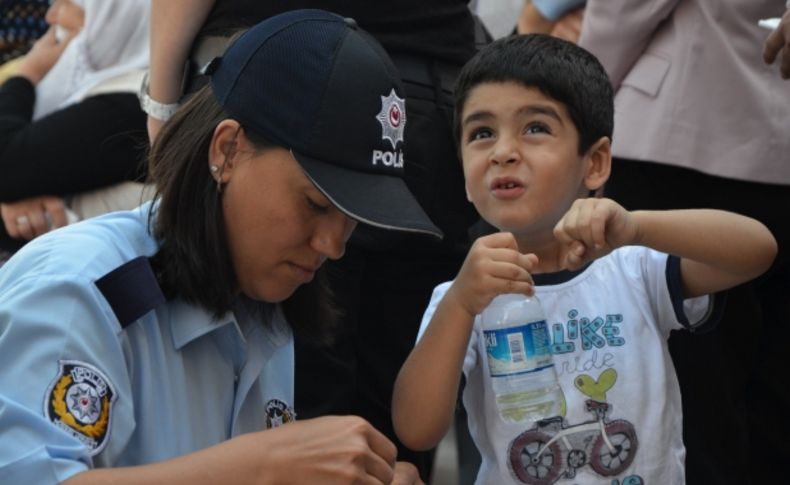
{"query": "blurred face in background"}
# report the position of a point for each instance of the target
(66, 16)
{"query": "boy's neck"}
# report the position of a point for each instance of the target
(546, 248)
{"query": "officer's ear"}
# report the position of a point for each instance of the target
(223, 150)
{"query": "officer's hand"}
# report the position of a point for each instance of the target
(406, 474)
(332, 450)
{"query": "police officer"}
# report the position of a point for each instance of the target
(161, 339)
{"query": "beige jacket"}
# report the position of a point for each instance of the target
(691, 86)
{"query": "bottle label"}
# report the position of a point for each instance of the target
(518, 350)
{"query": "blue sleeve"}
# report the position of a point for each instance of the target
(55, 332)
(554, 9)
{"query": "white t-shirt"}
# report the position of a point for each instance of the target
(609, 325)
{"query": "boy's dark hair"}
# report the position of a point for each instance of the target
(194, 259)
(559, 69)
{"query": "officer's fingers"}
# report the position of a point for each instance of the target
(381, 445)
(381, 461)
(379, 469)
(406, 474)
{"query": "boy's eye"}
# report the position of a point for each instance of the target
(536, 128)
(480, 134)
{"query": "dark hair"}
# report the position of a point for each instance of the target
(194, 261)
(559, 69)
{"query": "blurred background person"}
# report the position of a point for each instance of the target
(560, 18)
(701, 120)
(21, 24)
(70, 120)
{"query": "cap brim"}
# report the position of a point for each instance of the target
(379, 200)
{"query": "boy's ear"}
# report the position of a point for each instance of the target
(223, 149)
(599, 164)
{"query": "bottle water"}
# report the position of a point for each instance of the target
(519, 359)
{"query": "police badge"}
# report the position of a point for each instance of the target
(392, 118)
(79, 401)
(278, 413)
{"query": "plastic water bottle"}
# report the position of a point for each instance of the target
(519, 359)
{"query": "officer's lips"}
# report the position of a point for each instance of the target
(304, 273)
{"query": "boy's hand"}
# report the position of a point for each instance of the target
(494, 266)
(593, 228)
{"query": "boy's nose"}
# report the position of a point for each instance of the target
(505, 152)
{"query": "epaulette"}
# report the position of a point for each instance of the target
(131, 289)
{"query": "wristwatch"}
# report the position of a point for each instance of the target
(154, 108)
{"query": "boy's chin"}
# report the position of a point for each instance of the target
(507, 224)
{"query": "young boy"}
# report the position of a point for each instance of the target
(534, 118)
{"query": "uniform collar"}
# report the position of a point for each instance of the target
(190, 322)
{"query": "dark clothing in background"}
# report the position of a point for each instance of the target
(438, 29)
(740, 364)
(88, 145)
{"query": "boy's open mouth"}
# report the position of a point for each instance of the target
(506, 183)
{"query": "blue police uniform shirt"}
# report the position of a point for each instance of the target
(80, 390)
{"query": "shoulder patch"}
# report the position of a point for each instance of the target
(79, 401)
(278, 413)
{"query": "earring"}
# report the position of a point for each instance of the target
(215, 173)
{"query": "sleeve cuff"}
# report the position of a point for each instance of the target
(554, 9)
(711, 313)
